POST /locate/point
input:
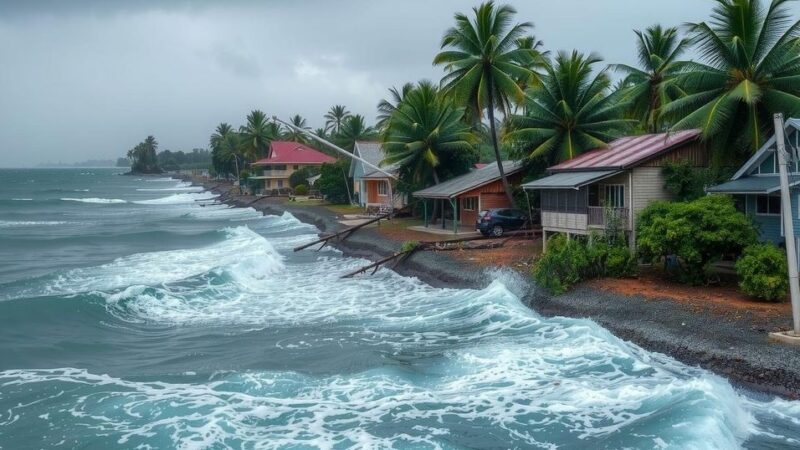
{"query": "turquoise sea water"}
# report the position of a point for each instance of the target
(137, 313)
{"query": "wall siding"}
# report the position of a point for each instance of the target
(564, 222)
(491, 195)
(696, 153)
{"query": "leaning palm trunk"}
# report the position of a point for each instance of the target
(506, 186)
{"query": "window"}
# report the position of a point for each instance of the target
(768, 205)
(383, 188)
(469, 203)
(279, 167)
(296, 167)
(269, 183)
(594, 195)
(280, 184)
(615, 195)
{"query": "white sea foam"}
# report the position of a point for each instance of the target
(22, 199)
(95, 200)
(29, 223)
(182, 186)
(151, 269)
(177, 199)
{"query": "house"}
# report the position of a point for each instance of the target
(473, 192)
(374, 187)
(756, 187)
(613, 184)
(285, 158)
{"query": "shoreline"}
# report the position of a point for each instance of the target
(736, 349)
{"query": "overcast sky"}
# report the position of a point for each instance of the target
(87, 79)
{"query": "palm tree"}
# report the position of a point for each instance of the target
(485, 63)
(256, 135)
(335, 117)
(294, 135)
(571, 112)
(321, 132)
(354, 129)
(220, 132)
(387, 106)
(225, 149)
(424, 129)
(750, 70)
(653, 86)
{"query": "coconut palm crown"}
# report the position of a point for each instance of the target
(572, 111)
(750, 69)
(653, 85)
(335, 117)
(485, 64)
(424, 131)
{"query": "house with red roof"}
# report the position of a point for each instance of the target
(285, 158)
(614, 183)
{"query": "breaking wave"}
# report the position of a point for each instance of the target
(95, 200)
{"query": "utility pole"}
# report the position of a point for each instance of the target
(788, 227)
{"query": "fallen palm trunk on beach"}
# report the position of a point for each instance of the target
(341, 235)
(439, 246)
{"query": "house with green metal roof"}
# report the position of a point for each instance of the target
(756, 187)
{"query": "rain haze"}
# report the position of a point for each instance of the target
(89, 79)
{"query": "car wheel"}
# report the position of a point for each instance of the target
(497, 230)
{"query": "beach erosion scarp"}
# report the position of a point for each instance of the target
(737, 349)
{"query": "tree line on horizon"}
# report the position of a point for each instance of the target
(145, 158)
(503, 95)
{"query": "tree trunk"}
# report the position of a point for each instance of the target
(435, 203)
(506, 186)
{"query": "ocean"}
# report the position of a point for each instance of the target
(137, 312)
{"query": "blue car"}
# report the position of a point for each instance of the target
(495, 222)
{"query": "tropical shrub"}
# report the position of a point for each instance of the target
(697, 232)
(244, 174)
(763, 272)
(567, 262)
(301, 176)
(301, 189)
(333, 182)
(561, 265)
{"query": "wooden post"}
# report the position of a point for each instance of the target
(544, 240)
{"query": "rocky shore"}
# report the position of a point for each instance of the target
(736, 348)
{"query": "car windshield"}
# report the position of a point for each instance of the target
(483, 213)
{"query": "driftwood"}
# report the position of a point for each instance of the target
(341, 235)
(441, 246)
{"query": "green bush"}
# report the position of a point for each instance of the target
(698, 232)
(561, 265)
(301, 189)
(763, 272)
(333, 182)
(244, 174)
(567, 262)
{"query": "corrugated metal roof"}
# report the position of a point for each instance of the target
(370, 151)
(753, 185)
(569, 180)
(627, 152)
(288, 152)
(467, 182)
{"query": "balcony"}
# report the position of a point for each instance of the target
(599, 216)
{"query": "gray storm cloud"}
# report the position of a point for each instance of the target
(89, 79)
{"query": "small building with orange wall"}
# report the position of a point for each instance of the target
(474, 192)
(374, 188)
